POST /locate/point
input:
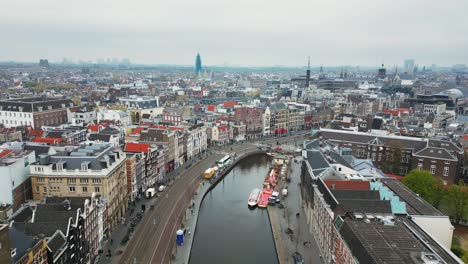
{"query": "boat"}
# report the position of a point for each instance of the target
(269, 185)
(254, 197)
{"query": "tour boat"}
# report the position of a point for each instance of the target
(254, 197)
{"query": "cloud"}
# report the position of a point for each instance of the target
(255, 32)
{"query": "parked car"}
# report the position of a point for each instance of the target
(297, 258)
(161, 188)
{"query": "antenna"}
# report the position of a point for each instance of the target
(308, 64)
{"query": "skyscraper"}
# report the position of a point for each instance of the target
(408, 66)
(308, 74)
(198, 65)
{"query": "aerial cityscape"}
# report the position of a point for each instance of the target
(234, 132)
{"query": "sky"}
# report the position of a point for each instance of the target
(237, 32)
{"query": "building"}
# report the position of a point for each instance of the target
(252, 118)
(82, 116)
(67, 228)
(279, 118)
(399, 154)
(10, 134)
(168, 146)
(97, 168)
(408, 66)
(176, 115)
(436, 109)
(5, 249)
(356, 219)
(220, 134)
(117, 117)
(35, 112)
(198, 65)
(15, 184)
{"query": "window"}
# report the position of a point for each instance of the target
(84, 189)
(420, 166)
(45, 189)
(380, 156)
(37, 189)
(96, 180)
(83, 180)
(373, 156)
(446, 171)
(433, 169)
(71, 189)
(40, 179)
(97, 189)
(71, 180)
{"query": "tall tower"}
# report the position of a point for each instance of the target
(308, 74)
(198, 65)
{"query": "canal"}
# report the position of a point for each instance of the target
(227, 230)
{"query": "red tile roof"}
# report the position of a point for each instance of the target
(50, 141)
(348, 185)
(211, 108)
(229, 104)
(137, 147)
(93, 128)
(5, 152)
(138, 130)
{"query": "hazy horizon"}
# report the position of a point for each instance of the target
(238, 32)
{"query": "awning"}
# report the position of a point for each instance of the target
(277, 131)
(283, 130)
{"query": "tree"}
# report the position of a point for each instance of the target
(422, 183)
(457, 198)
(439, 192)
(392, 159)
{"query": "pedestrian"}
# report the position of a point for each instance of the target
(193, 204)
(185, 231)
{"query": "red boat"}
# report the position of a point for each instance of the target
(269, 185)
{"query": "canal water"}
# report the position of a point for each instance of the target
(227, 230)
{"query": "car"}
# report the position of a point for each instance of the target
(297, 258)
(278, 149)
(161, 188)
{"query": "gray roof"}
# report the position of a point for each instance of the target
(365, 206)
(99, 137)
(416, 205)
(95, 154)
(374, 242)
(415, 143)
(438, 153)
(57, 241)
(316, 160)
(21, 241)
(38, 149)
(33, 104)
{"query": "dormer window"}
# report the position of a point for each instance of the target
(63, 105)
(85, 165)
(39, 108)
(49, 107)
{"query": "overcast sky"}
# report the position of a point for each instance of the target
(237, 32)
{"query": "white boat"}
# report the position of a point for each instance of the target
(254, 197)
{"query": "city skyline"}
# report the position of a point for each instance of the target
(389, 33)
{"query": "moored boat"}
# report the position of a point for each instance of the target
(254, 197)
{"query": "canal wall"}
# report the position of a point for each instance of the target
(182, 253)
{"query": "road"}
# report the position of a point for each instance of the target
(154, 237)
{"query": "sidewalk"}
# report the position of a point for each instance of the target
(282, 219)
(182, 253)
